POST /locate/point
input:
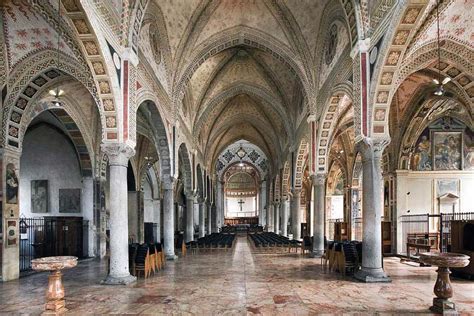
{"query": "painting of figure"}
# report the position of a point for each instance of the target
(447, 150)
(12, 185)
(39, 196)
(422, 156)
(69, 200)
(469, 149)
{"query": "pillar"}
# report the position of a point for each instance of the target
(219, 218)
(270, 217)
(284, 217)
(168, 220)
(209, 217)
(87, 205)
(372, 210)
(118, 155)
(189, 232)
(276, 220)
(202, 220)
(214, 218)
(157, 218)
(263, 200)
(296, 214)
(319, 181)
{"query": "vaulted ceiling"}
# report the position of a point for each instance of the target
(239, 68)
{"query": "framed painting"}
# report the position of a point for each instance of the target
(39, 196)
(445, 186)
(447, 150)
(69, 200)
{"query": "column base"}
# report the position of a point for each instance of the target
(443, 306)
(112, 280)
(316, 254)
(372, 275)
(171, 257)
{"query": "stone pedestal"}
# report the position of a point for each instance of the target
(118, 155)
(55, 302)
(296, 214)
(372, 209)
(319, 181)
(443, 288)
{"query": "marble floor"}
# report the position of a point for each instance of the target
(239, 282)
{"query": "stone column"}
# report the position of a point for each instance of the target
(319, 181)
(296, 214)
(214, 218)
(209, 218)
(118, 155)
(157, 218)
(372, 210)
(284, 217)
(218, 204)
(270, 217)
(276, 220)
(202, 220)
(168, 220)
(263, 200)
(87, 205)
(282, 220)
(189, 233)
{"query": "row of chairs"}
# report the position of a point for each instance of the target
(213, 241)
(273, 242)
(145, 259)
(342, 256)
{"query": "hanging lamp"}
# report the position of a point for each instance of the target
(57, 93)
(438, 81)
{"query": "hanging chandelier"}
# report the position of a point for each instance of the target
(439, 82)
(57, 92)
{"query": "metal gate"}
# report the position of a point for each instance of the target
(50, 236)
(433, 229)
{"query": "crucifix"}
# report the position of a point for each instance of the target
(241, 202)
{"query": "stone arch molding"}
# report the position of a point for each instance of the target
(29, 80)
(285, 186)
(301, 157)
(327, 126)
(399, 36)
(160, 138)
(451, 52)
(186, 167)
(253, 156)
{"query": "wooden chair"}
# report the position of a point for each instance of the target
(142, 261)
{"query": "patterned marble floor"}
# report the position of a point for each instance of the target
(239, 282)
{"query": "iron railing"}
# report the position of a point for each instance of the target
(50, 236)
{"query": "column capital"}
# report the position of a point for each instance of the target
(311, 118)
(118, 153)
(296, 191)
(361, 46)
(168, 182)
(370, 148)
(319, 178)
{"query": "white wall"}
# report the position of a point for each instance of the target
(48, 155)
(248, 207)
(149, 217)
(422, 199)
